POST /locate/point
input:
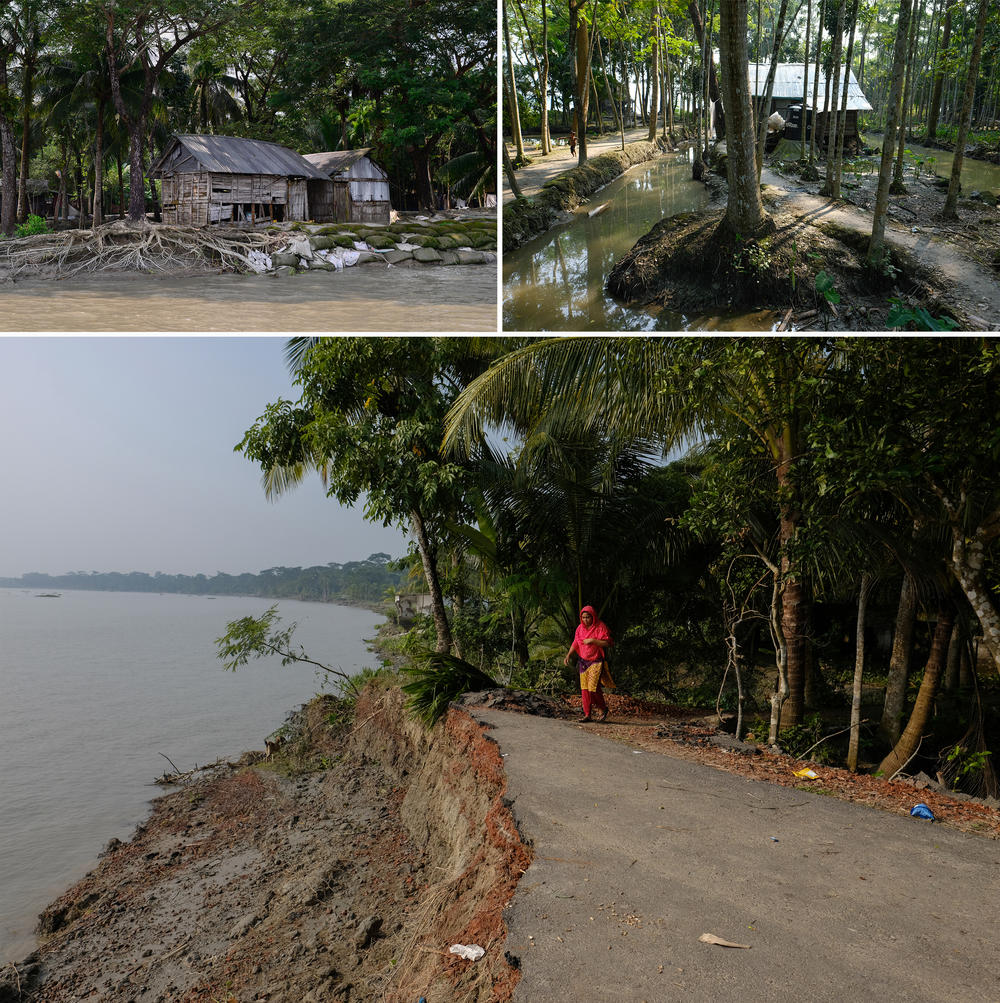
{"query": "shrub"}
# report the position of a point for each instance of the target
(34, 224)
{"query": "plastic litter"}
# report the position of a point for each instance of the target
(807, 774)
(259, 261)
(471, 952)
(922, 811)
(774, 839)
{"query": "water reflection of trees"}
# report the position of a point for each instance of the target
(560, 283)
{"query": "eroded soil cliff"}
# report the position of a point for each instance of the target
(348, 880)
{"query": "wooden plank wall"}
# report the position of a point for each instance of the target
(197, 199)
(370, 212)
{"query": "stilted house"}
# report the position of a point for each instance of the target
(786, 99)
(221, 179)
(357, 189)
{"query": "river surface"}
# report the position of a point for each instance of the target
(97, 688)
(453, 298)
(556, 281)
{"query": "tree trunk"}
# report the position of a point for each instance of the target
(654, 71)
(582, 88)
(515, 115)
(953, 666)
(607, 85)
(99, 166)
(805, 82)
(920, 716)
(714, 92)
(935, 106)
(427, 559)
(842, 127)
(745, 213)
(965, 119)
(765, 103)
(546, 138)
(509, 171)
(781, 688)
(794, 597)
(8, 160)
(833, 120)
(899, 662)
(897, 187)
(968, 558)
(27, 102)
(877, 242)
(859, 668)
(813, 139)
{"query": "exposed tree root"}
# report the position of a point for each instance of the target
(122, 246)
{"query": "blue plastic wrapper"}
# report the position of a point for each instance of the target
(922, 811)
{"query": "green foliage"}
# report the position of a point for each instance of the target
(799, 740)
(752, 256)
(33, 225)
(967, 761)
(825, 287)
(916, 318)
(433, 680)
(250, 638)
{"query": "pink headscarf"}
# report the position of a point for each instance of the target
(598, 629)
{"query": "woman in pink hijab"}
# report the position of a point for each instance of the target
(590, 642)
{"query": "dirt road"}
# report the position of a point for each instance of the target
(543, 168)
(976, 289)
(637, 855)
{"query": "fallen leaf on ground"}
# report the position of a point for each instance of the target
(710, 938)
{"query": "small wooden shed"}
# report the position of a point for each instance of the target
(787, 92)
(357, 189)
(222, 179)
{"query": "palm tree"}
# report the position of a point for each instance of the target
(668, 391)
(29, 23)
(8, 154)
(212, 101)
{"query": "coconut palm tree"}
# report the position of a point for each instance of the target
(212, 101)
(668, 392)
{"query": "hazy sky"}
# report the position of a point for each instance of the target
(117, 455)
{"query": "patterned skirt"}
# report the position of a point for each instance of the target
(593, 674)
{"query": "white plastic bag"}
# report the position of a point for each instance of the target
(471, 952)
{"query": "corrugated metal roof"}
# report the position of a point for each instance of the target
(337, 160)
(788, 84)
(235, 155)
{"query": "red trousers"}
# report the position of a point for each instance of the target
(598, 699)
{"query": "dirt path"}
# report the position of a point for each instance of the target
(973, 287)
(543, 168)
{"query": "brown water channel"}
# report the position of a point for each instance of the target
(366, 298)
(556, 281)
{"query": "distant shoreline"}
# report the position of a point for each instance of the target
(382, 607)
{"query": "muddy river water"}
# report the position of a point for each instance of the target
(556, 281)
(456, 298)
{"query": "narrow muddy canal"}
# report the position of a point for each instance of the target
(556, 281)
(453, 298)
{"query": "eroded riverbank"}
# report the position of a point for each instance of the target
(343, 872)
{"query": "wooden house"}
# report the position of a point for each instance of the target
(357, 189)
(219, 179)
(786, 99)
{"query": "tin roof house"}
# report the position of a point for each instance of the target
(215, 179)
(786, 98)
(356, 189)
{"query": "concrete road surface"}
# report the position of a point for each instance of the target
(637, 855)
